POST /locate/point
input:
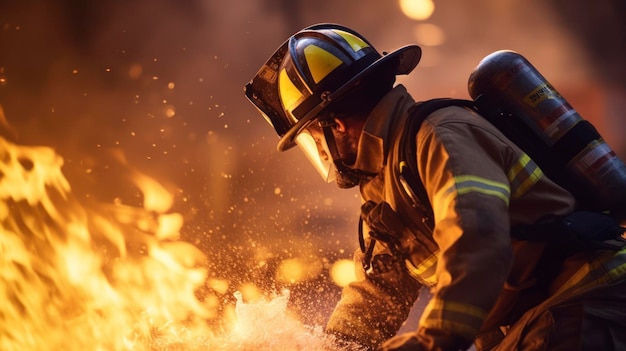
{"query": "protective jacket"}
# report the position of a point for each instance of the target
(479, 185)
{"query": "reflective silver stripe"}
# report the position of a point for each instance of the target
(473, 184)
(465, 184)
(523, 175)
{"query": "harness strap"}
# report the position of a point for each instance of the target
(581, 230)
(408, 145)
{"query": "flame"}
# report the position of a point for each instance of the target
(87, 276)
(78, 275)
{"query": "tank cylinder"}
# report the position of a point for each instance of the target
(507, 84)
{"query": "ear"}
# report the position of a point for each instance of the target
(340, 125)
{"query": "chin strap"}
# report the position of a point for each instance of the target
(346, 176)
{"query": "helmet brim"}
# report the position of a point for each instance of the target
(405, 58)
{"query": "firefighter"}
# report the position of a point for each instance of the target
(328, 91)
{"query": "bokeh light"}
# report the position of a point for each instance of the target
(342, 272)
(428, 34)
(418, 10)
(295, 270)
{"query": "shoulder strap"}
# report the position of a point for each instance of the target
(407, 148)
(578, 230)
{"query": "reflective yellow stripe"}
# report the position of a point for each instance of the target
(320, 62)
(616, 272)
(607, 268)
(355, 42)
(456, 317)
(472, 184)
(523, 175)
(469, 310)
(425, 271)
(429, 262)
(465, 184)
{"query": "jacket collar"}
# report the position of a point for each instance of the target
(379, 126)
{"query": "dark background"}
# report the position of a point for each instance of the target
(161, 81)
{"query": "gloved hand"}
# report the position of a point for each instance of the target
(425, 340)
(341, 342)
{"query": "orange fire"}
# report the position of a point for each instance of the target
(80, 275)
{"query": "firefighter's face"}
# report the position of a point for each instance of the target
(345, 140)
(322, 159)
(320, 141)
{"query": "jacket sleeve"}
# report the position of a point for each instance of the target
(374, 306)
(463, 170)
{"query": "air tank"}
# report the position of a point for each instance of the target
(522, 103)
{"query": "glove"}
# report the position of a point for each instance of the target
(425, 340)
(338, 341)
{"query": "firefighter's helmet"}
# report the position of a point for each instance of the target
(315, 68)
